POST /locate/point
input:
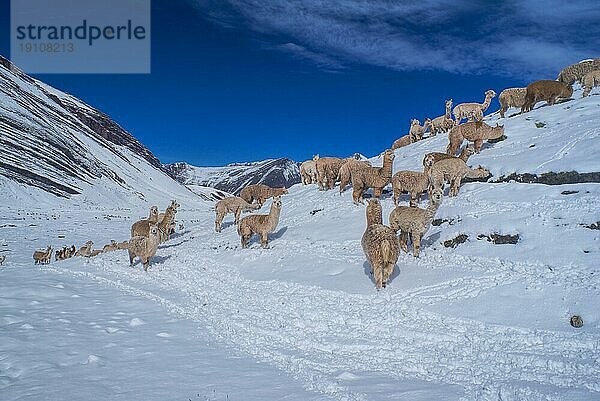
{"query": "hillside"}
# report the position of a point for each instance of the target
(477, 321)
(232, 178)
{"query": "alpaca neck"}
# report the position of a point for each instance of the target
(274, 216)
(464, 155)
(448, 111)
(166, 219)
(386, 170)
(486, 102)
(374, 218)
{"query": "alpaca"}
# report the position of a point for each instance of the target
(430, 158)
(453, 170)
(328, 169)
(260, 193)
(476, 132)
(70, 252)
(2, 259)
(123, 245)
(95, 252)
(380, 245)
(442, 123)
(404, 141)
(110, 247)
(142, 228)
(345, 173)
(42, 257)
(161, 216)
(60, 254)
(308, 171)
(235, 205)
(144, 246)
(416, 130)
(511, 97)
(372, 177)
(569, 75)
(261, 224)
(589, 81)
(413, 182)
(85, 250)
(545, 90)
(153, 217)
(414, 222)
(473, 111)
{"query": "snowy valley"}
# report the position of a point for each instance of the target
(301, 320)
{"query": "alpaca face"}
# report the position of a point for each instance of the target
(316, 157)
(490, 93)
(277, 202)
(470, 150)
(154, 210)
(430, 159)
(437, 195)
(414, 121)
(449, 104)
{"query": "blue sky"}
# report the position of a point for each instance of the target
(243, 80)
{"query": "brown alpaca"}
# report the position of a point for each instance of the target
(345, 173)
(511, 97)
(142, 228)
(545, 90)
(328, 169)
(404, 141)
(60, 254)
(473, 111)
(442, 123)
(453, 170)
(85, 250)
(413, 182)
(414, 222)
(144, 246)
(372, 177)
(430, 158)
(416, 130)
(260, 193)
(235, 205)
(110, 247)
(42, 257)
(569, 75)
(380, 245)
(261, 224)
(476, 132)
(161, 216)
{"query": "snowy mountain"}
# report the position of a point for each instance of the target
(53, 143)
(233, 177)
(483, 314)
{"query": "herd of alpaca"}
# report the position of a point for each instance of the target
(381, 244)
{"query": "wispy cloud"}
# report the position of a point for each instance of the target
(520, 38)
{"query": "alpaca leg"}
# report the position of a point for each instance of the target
(238, 211)
(377, 192)
(387, 272)
(403, 242)
(131, 257)
(264, 240)
(478, 144)
(552, 100)
(218, 222)
(378, 276)
(396, 196)
(357, 195)
(146, 263)
(416, 244)
(455, 187)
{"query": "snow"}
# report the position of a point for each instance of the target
(302, 320)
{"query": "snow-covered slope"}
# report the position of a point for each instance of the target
(233, 177)
(480, 321)
(53, 143)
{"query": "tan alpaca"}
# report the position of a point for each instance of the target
(261, 224)
(442, 123)
(372, 177)
(379, 244)
(473, 111)
(308, 171)
(71, 251)
(404, 141)
(416, 130)
(328, 169)
(345, 173)
(414, 222)
(453, 170)
(142, 228)
(2, 259)
(144, 246)
(153, 217)
(235, 205)
(113, 246)
(42, 257)
(476, 132)
(545, 90)
(430, 158)
(413, 182)
(511, 97)
(260, 193)
(569, 75)
(85, 250)
(161, 216)
(95, 252)
(123, 245)
(60, 254)
(589, 81)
